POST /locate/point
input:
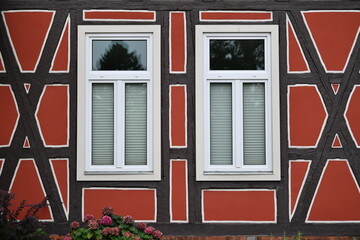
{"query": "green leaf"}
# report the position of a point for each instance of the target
(89, 235)
(132, 229)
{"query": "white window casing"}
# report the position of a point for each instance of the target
(266, 80)
(125, 86)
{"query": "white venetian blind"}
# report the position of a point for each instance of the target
(220, 124)
(102, 141)
(135, 124)
(254, 123)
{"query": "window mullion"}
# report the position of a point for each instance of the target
(120, 126)
(238, 126)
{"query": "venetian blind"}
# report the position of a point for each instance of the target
(102, 142)
(220, 124)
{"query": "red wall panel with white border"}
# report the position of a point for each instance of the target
(9, 116)
(235, 205)
(352, 114)
(139, 203)
(2, 65)
(306, 115)
(337, 199)
(237, 16)
(28, 28)
(52, 115)
(119, 15)
(27, 185)
(178, 191)
(178, 116)
(178, 49)
(61, 60)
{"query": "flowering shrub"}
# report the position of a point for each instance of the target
(112, 227)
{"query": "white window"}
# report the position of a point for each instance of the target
(237, 103)
(118, 103)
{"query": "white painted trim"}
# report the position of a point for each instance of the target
(187, 191)
(288, 22)
(273, 107)
(43, 45)
(121, 188)
(41, 184)
(26, 140)
(2, 62)
(67, 113)
(66, 209)
(170, 43)
(238, 190)
(82, 98)
(346, 119)
(236, 20)
(288, 115)
(291, 214)
(122, 20)
(317, 188)
(18, 115)
(315, 45)
(332, 145)
(170, 111)
(2, 160)
(67, 24)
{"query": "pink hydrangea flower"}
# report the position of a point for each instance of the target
(136, 238)
(67, 238)
(106, 220)
(74, 225)
(141, 225)
(157, 234)
(107, 211)
(105, 231)
(149, 230)
(114, 231)
(128, 219)
(128, 234)
(93, 224)
(88, 217)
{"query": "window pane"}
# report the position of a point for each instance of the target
(237, 54)
(254, 123)
(135, 124)
(119, 55)
(220, 124)
(102, 150)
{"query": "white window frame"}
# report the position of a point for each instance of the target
(269, 76)
(86, 77)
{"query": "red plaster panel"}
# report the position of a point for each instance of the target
(239, 206)
(61, 60)
(178, 194)
(27, 185)
(335, 87)
(178, 119)
(296, 58)
(298, 171)
(336, 198)
(235, 16)
(334, 34)
(336, 142)
(52, 115)
(2, 161)
(139, 203)
(177, 42)
(9, 115)
(306, 116)
(28, 31)
(61, 174)
(27, 87)
(352, 114)
(2, 66)
(26, 143)
(119, 15)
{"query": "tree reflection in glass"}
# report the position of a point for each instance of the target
(239, 54)
(115, 55)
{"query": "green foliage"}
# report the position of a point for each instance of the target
(12, 228)
(112, 227)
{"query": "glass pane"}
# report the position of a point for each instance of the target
(220, 124)
(135, 124)
(102, 147)
(254, 123)
(113, 55)
(237, 54)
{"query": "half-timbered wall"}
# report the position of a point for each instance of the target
(318, 193)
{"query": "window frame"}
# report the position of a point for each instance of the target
(86, 77)
(205, 76)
